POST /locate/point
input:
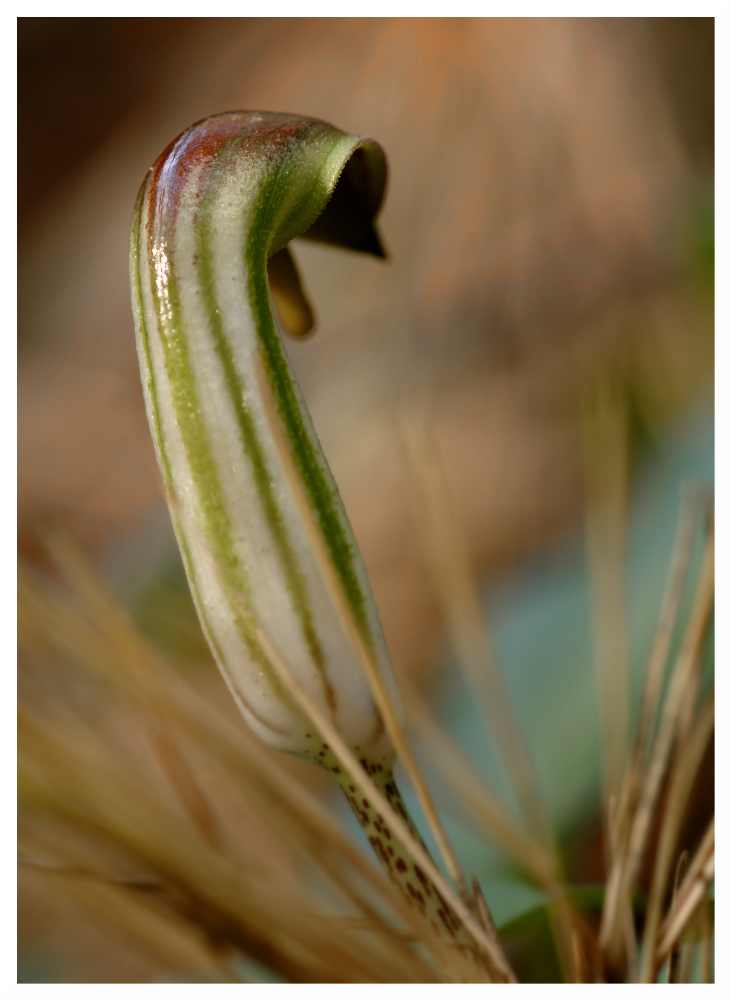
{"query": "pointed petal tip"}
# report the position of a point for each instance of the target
(373, 245)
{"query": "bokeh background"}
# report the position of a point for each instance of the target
(549, 226)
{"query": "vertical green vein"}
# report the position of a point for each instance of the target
(202, 465)
(253, 448)
(323, 498)
(149, 374)
(152, 389)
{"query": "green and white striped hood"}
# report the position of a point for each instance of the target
(246, 480)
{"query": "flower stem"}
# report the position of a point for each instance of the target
(413, 884)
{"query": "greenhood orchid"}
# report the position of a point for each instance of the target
(274, 569)
(221, 201)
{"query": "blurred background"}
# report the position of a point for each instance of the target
(549, 228)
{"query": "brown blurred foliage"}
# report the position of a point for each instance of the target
(538, 169)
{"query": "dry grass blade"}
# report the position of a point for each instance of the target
(667, 622)
(366, 785)
(483, 909)
(182, 779)
(302, 817)
(654, 674)
(682, 685)
(103, 607)
(630, 946)
(687, 762)
(673, 975)
(486, 917)
(378, 688)
(681, 690)
(259, 913)
(290, 808)
(63, 777)
(167, 937)
(579, 958)
(274, 791)
(606, 464)
(472, 790)
(538, 863)
(455, 585)
(125, 638)
(629, 933)
(459, 597)
(690, 895)
(704, 973)
(460, 601)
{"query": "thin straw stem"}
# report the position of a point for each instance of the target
(704, 972)
(328, 731)
(687, 762)
(370, 666)
(153, 682)
(92, 588)
(690, 895)
(668, 618)
(606, 465)
(624, 872)
(657, 660)
(474, 792)
(673, 975)
(455, 585)
(486, 917)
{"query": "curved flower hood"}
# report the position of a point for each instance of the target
(246, 480)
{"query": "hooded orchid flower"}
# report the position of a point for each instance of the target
(275, 572)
